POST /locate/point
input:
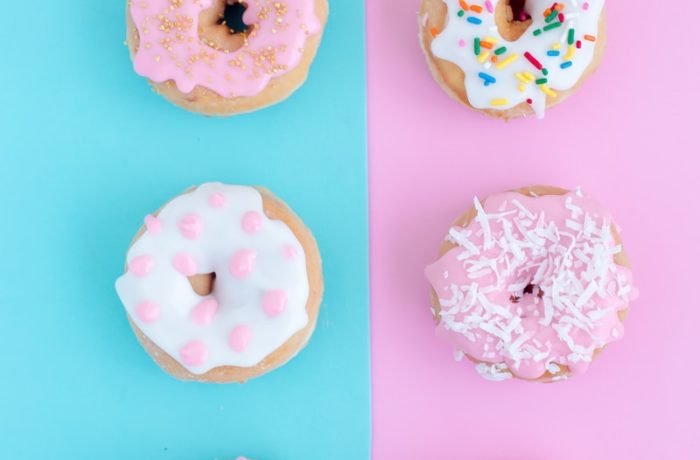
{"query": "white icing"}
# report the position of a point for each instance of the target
(507, 86)
(239, 299)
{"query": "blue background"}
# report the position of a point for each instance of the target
(86, 150)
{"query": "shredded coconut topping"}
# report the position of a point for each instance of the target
(538, 275)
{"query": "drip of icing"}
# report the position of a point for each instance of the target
(552, 55)
(532, 284)
(171, 49)
(243, 319)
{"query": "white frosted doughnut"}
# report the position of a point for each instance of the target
(260, 291)
(557, 49)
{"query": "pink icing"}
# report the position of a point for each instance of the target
(190, 226)
(217, 200)
(274, 302)
(251, 222)
(204, 312)
(239, 338)
(242, 263)
(185, 264)
(147, 312)
(532, 284)
(153, 225)
(141, 265)
(194, 353)
(170, 48)
(289, 251)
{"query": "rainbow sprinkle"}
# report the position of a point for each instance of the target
(488, 79)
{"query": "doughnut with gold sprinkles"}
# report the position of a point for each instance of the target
(222, 284)
(512, 58)
(224, 57)
(531, 284)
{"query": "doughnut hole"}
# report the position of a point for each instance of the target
(202, 284)
(528, 300)
(512, 19)
(222, 26)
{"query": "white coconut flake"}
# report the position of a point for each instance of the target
(494, 372)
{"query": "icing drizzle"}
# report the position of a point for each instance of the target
(531, 285)
(171, 49)
(552, 55)
(259, 294)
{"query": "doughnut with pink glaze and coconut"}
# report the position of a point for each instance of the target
(222, 284)
(224, 57)
(532, 283)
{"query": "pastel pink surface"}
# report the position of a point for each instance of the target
(626, 137)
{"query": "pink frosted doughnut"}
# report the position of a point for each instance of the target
(211, 290)
(532, 284)
(223, 57)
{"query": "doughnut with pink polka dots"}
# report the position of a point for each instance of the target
(259, 295)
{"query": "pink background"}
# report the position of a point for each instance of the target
(626, 137)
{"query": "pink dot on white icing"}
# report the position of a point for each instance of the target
(185, 264)
(147, 312)
(585, 5)
(153, 225)
(239, 338)
(194, 353)
(141, 265)
(461, 43)
(190, 226)
(274, 302)
(242, 263)
(251, 222)
(289, 251)
(203, 313)
(217, 200)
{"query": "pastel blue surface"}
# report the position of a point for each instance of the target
(86, 151)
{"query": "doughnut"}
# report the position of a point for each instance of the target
(224, 57)
(222, 284)
(531, 284)
(512, 58)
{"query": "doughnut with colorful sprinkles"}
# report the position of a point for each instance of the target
(512, 58)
